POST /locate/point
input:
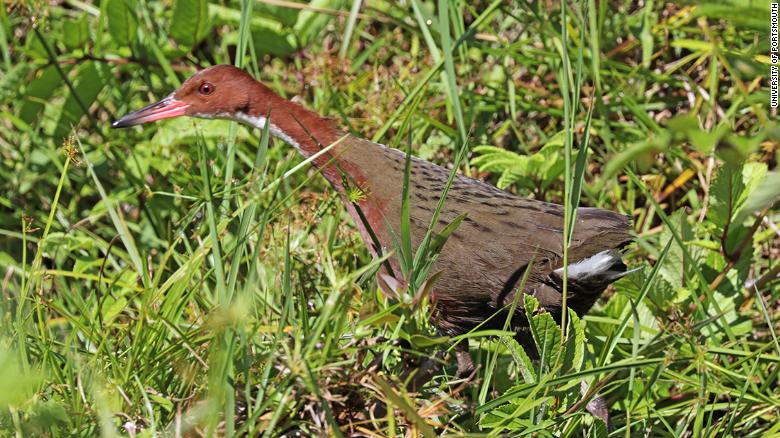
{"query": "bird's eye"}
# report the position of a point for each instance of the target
(206, 88)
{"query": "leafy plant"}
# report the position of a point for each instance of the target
(535, 172)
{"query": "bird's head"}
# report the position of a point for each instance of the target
(222, 91)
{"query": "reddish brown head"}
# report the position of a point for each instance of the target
(222, 91)
(226, 92)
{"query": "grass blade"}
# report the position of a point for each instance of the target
(351, 20)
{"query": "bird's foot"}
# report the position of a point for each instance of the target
(416, 378)
(466, 368)
(597, 406)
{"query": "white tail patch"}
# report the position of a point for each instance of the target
(596, 266)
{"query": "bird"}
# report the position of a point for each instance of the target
(502, 238)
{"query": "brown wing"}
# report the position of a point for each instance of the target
(507, 231)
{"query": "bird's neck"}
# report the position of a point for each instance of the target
(314, 136)
(347, 162)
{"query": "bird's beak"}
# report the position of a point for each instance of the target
(164, 109)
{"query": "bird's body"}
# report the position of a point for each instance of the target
(481, 263)
(485, 258)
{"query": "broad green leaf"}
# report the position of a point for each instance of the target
(574, 352)
(663, 295)
(162, 401)
(547, 336)
(113, 307)
(683, 123)
(422, 341)
(730, 192)
(311, 22)
(737, 148)
(89, 82)
(656, 143)
(75, 33)
(190, 22)
(546, 333)
(729, 302)
(38, 93)
(67, 242)
(688, 126)
(598, 429)
(285, 15)
(545, 165)
(705, 142)
(523, 362)
(765, 194)
(530, 304)
(725, 194)
(273, 40)
(494, 159)
(122, 21)
(674, 269)
(34, 48)
(513, 176)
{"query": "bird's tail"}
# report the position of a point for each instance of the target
(601, 268)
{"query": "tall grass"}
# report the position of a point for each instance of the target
(197, 278)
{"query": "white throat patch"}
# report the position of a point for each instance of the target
(259, 123)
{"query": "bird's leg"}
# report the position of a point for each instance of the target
(597, 406)
(465, 361)
(419, 376)
(415, 378)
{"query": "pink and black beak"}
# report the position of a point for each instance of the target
(164, 109)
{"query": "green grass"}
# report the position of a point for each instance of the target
(195, 278)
